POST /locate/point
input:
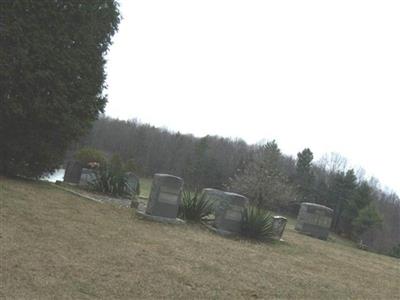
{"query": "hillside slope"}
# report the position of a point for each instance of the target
(56, 245)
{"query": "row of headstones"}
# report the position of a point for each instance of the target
(165, 197)
(313, 219)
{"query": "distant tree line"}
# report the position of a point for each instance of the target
(272, 180)
(207, 161)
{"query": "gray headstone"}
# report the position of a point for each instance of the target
(278, 226)
(228, 214)
(132, 183)
(214, 196)
(165, 196)
(314, 219)
(73, 172)
(88, 176)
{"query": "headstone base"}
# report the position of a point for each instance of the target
(231, 234)
(219, 231)
(312, 235)
(148, 217)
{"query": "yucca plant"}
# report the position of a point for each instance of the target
(257, 223)
(110, 182)
(194, 207)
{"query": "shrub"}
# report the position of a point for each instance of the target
(110, 182)
(116, 164)
(395, 251)
(130, 165)
(194, 207)
(88, 154)
(257, 223)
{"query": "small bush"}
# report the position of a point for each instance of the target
(194, 207)
(87, 155)
(395, 251)
(257, 223)
(110, 182)
(130, 165)
(115, 163)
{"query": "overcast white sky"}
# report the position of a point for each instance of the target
(318, 74)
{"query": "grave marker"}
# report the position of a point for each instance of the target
(278, 226)
(73, 172)
(228, 214)
(165, 196)
(88, 176)
(214, 196)
(132, 183)
(314, 219)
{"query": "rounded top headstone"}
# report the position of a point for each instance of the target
(316, 205)
(236, 199)
(213, 191)
(163, 175)
(314, 219)
(167, 179)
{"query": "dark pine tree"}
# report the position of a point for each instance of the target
(341, 195)
(304, 177)
(51, 77)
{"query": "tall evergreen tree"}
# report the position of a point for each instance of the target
(367, 218)
(304, 178)
(51, 77)
(359, 214)
(341, 193)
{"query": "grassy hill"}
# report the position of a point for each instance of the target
(56, 245)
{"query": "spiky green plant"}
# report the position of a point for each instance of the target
(194, 207)
(111, 182)
(257, 223)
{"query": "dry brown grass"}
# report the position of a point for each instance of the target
(56, 245)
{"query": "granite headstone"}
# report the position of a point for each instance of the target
(133, 183)
(165, 196)
(278, 226)
(88, 176)
(314, 219)
(73, 172)
(214, 196)
(228, 214)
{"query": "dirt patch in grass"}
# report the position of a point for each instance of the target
(57, 245)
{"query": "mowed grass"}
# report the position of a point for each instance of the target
(56, 245)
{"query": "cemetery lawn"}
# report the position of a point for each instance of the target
(57, 245)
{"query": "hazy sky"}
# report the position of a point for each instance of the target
(318, 74)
